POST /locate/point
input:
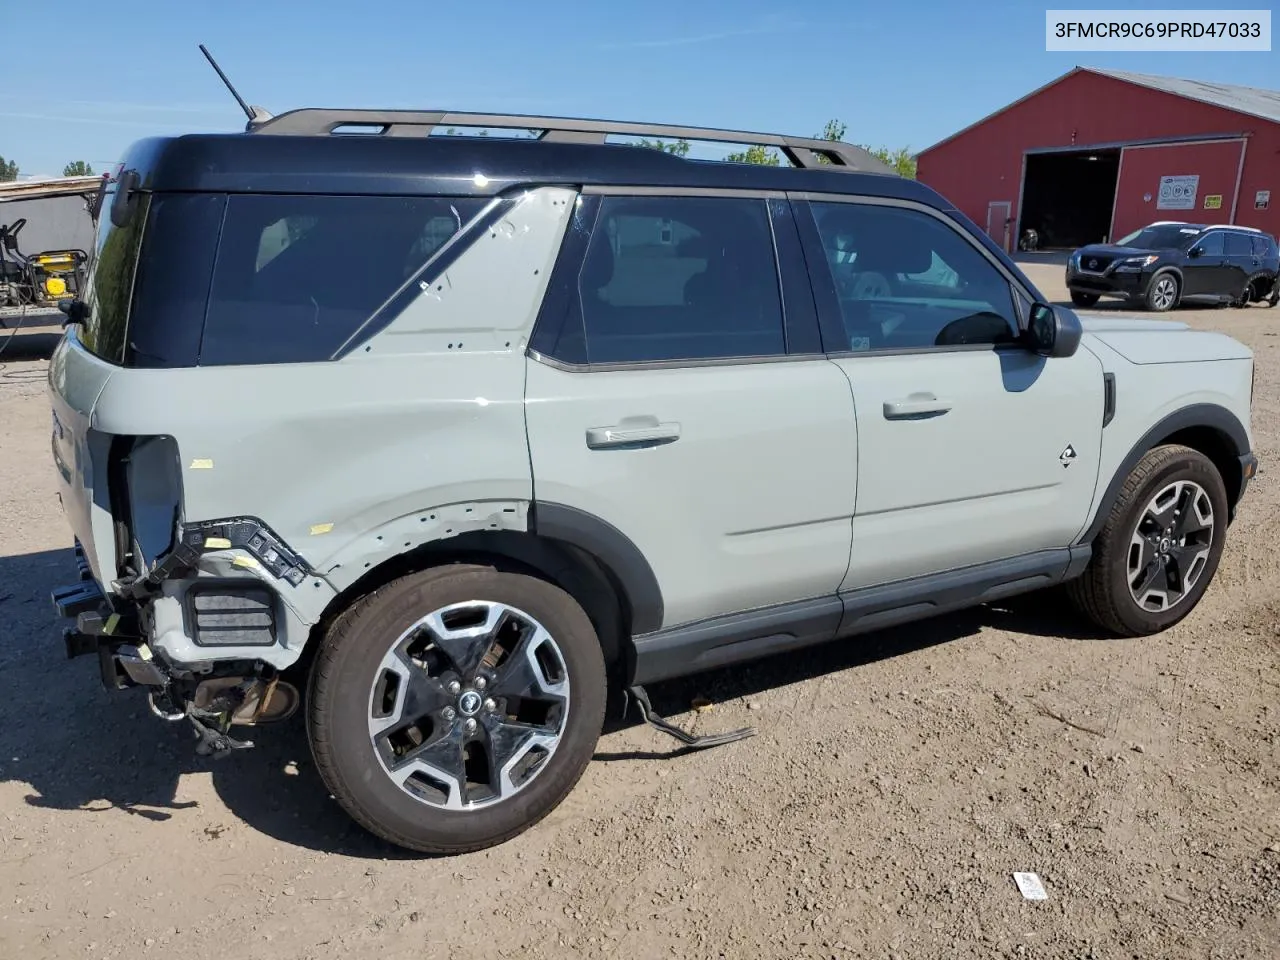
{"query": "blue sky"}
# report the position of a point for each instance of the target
(904, 74)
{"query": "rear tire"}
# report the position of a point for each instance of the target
(1154, 558)
(1162, 293)
(1081, 299)
(453, 709)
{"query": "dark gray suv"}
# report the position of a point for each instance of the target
(1168, 263)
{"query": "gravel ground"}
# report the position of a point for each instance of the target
(897, 782)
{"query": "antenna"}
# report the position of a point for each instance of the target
(239, 99)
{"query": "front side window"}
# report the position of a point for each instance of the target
(1211, 245)
(296, 276)
(905, 280)
(680, 278)
(1261, 246)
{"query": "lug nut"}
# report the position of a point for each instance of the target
(480, 683)
(455, 687)
(448, 713)
(490, 706)
(471, 726)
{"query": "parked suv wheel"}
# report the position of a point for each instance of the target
(1082, 299)
(1160, 546)
(453, 709)
(1162, 292)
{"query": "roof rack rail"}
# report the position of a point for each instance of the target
(804, 152)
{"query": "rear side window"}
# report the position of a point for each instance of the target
(681, 278)
(1263, 247)
(110, 286)
(296, 276)
(1238, 245)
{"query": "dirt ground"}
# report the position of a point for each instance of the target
(897, 782)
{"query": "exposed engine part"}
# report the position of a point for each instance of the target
(247, 701)
(212, 742)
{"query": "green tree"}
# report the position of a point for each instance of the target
(834, 130)
(756, 153)
(8, 170)
(679, 148)
(901, 159)
(77, 169)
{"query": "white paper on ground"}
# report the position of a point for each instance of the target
(1030, 885)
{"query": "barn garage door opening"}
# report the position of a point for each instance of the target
(1067, 197)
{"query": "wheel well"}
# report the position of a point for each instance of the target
(1218, 447)
(580, 574)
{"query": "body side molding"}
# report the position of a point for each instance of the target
(692, 648)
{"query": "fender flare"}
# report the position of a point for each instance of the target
(611, 547)
(1167, 268)
(1211, 415)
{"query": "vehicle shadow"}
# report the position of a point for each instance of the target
(27, 343)
(1046, 613)
(107, 752)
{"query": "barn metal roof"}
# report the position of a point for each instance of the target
(1252, 101)
(48, 187)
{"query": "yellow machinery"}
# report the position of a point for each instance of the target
(43, 279)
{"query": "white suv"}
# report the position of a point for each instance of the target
(453, 435)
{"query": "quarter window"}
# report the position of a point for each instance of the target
(680, 278)
(905, 280)
(297, 275)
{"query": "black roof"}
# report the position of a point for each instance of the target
(449, 165)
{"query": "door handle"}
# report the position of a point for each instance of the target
(638, 432)
(916, 407)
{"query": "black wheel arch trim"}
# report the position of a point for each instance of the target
(1210, 415)
(611, 547)
(1167, 268)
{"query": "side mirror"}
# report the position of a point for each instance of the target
(1053, 331)
(76, 311)
(10, 242)
(125, 200)
(1196, 252)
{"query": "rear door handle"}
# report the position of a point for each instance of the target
(640, 432)
(916, 408)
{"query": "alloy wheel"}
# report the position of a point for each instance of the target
(468, 705)
(1166, 289)
(1169, 549)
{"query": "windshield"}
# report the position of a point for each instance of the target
(1162, 236)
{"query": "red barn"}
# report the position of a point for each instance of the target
(1096, 154)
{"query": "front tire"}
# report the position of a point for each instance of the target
(1081, 299)
(1162, 293)
(453, 709)
(1160, 547)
